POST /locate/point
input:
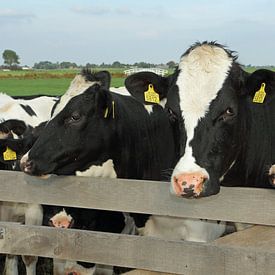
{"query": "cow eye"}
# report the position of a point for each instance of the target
(75, 117)
(228, 114)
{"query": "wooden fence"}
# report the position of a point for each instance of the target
(251, 251)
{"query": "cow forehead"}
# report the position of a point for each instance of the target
(78, 86)
(202, 74)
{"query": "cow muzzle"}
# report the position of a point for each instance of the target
(26, 165)
(271, 175)
(189, 185)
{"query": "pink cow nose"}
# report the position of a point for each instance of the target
(189, 184)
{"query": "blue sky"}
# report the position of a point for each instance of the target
(131, 31)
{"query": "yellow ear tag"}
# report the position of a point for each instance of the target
(150, 95)
(107, 110)
(260, 95)
(106, 113)
(9, 154)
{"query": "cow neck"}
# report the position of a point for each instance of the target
(137, 144)
(256, 152)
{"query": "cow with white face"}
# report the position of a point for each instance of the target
(224, 122)
(226, 119)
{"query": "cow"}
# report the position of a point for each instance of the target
(85, 219)
(100, 133)
(226, 125)
(31, 112)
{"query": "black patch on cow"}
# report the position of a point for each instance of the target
(57, 101)
(28, 109)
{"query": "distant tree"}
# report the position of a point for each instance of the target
(90, 65)
(46, 65)
(67, 65)
(117, 64)
(171, 64)
(10, 58)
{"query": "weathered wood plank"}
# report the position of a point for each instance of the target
(249, 252)
(112, 249)
(258, 241)
(248, 205)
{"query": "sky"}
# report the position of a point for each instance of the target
(128, 31)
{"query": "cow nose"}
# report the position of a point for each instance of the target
(26, 165)
(189, 184)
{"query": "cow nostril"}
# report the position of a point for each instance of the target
(27, 166)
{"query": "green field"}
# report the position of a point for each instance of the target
(50, 86)
(48, 82)
(53, 82)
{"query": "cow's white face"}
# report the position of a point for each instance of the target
(78, 86)
(203, 73)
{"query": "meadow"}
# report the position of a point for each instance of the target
(48, 82)
(54, 82)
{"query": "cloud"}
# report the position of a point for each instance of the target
(12, 14)
(91, 10)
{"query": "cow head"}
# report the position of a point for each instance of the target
(212, 90)
(65, 143)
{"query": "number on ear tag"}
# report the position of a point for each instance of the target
(9, 154)
(260, 95)
(150, 95)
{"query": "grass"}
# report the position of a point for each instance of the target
(47, 86)
(55, 82)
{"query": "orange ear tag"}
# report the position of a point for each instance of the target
(260, 95)
(150, 95)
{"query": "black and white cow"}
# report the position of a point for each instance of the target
(100, 133)
(225, 136)
(85, 219)
(31, 113)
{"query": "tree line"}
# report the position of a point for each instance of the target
(11, 61)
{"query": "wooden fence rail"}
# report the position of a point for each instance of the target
(247, 252)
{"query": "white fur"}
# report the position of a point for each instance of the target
(120, 90)
(78, 86)
(202, 74)
(106, 170)
(174, 228)
(11, 264)
(271, 170)
(149, 107)
(10, 109)
(73, 266)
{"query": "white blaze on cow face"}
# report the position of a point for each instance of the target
(202, 74)
(78, 86)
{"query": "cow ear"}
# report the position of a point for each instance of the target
(87, 77)
(260, 84)
(104, 105)
(147, 87)
(104, 78)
